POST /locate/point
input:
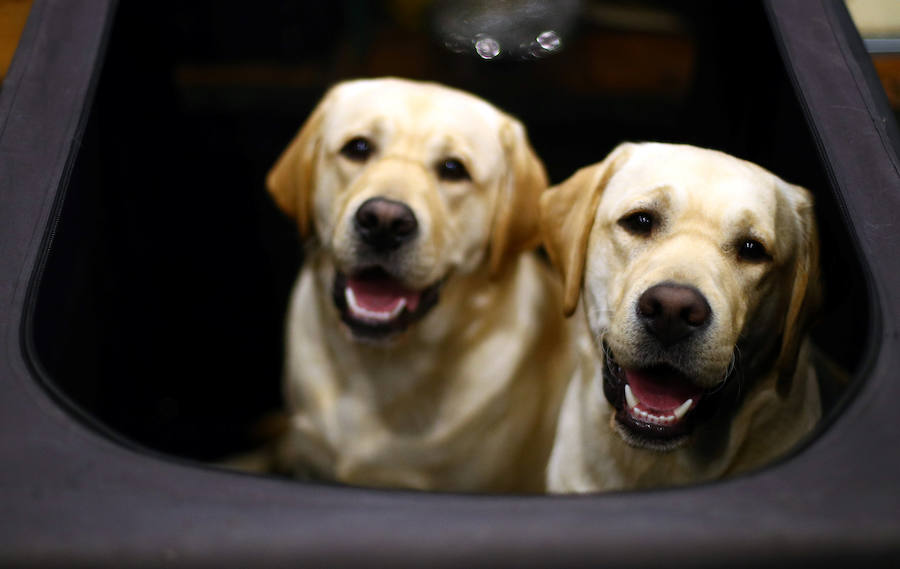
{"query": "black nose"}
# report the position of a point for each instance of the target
(385, 224)
(672, 312)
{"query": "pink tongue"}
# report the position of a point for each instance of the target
(382, 294)
(661, 389)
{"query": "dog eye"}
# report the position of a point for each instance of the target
(638, 223)
(358, 149)
(752, 251)
(452, 170)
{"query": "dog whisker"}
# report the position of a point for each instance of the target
(735, 356)
(732, 371)
(608, 359)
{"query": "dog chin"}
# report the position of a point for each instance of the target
(635, 440)
(376, 307)
(657, 407)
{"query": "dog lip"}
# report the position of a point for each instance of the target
(363, 313)
(375, 305)
(659, 396)
(378, 297)
(639, 411)
(661, 389)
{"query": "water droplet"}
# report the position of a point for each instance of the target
(487, 48)
(549, 40)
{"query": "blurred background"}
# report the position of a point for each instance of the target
(159, 315)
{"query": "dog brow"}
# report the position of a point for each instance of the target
(748, 223)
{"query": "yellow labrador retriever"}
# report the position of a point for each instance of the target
(698, 274)
(424, 350)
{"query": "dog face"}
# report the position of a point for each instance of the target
(692, 262)
(404, 184)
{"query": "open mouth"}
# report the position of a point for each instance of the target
(375, 305)
(656, 406)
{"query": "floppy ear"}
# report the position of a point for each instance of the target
(806, 289)
(567, 215)
(290, 181)
(516, 218)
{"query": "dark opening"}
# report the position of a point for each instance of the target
(160, 309)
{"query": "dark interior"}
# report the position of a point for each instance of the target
(159, 313)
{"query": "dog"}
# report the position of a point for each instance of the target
(697, 274)
(425, 347)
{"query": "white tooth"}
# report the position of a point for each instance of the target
(361, 312)
(350, 297)
(682, 409)
(396, 310)
(630, 399)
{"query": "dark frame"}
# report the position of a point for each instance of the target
(72, 496)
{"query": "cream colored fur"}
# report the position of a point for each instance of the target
(465, 399)
(705, 203)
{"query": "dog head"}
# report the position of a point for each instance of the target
(402, 184)
(689, 261)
